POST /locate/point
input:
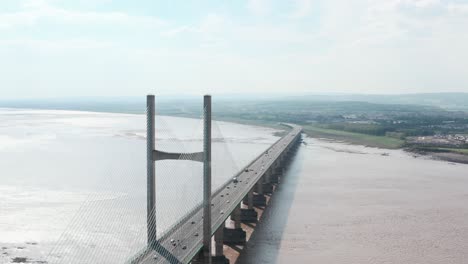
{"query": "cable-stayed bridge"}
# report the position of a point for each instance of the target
(190, 237)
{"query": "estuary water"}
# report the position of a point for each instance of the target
(349, 204)
(73, 184)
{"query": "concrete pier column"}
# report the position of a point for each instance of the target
(219, 257)
(259, 186)
(275, 177)
(235, 236)
(266, 177)
(273, 167)
(267, 187)
(279, 164)
(235, 217)
(249, 215)
(259, 198)
(250, 195)
(219, 241)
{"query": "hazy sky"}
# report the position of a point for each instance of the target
(121, 47)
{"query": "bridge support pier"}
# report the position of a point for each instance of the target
(279, 168)
(259, 200)
(267, 188)
(267, 176)
(219, 257)
(275, 178)
(249, 215)
(235, 236)
(264, 183)
(250, 195)
(259, 186)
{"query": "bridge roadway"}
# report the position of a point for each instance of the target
(184, 240)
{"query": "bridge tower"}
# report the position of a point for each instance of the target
(154, 155)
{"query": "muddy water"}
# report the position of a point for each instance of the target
(73, 184)
(351, 204)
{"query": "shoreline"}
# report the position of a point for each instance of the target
(441, 156)
(381, 142)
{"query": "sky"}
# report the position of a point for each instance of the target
(66, 48)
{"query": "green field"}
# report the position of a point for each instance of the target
(355, 138)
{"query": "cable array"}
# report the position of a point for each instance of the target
(110, 225)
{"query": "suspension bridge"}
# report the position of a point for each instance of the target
(197, 234)
(249, 186)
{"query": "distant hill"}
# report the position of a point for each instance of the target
(449, 101)
(315, 102)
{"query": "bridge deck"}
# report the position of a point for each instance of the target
(183, 241)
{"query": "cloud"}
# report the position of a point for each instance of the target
(55, 46)
(458, 8)
(383, 22)
(376, 45)
(176, 31)
(212, 23)
(259, 7)
(421, 3)
(302, 8)
(34, 11)
(210, 31)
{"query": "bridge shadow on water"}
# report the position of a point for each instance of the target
(267, 237)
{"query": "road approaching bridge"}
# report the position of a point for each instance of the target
(189, 240)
